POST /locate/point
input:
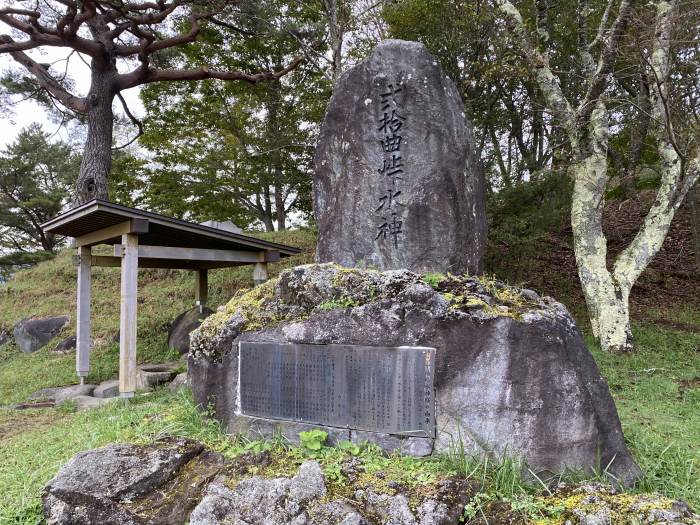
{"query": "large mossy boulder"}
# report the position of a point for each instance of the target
(513, 375)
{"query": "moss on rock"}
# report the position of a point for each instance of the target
(304, 291)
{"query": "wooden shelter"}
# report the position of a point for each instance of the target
(144, 239)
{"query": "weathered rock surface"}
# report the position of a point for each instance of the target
(397, 183)
(513, 375)
(179, 332)
(299, 501)
(33, 333)
(596, 504)
(258, 500)
(67, 345)
(65, 393)
(177, 481)
(44, 393)
(107, 389)
(181, 381)
(108, 484)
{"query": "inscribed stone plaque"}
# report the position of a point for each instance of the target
(397, 182)
(381, 389)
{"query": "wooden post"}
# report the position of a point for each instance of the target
(127, 323)
(260, 273)
(201, 291)
(82, 352)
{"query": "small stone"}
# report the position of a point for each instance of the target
(88, 402)
(70, 392)
(391, 509)
(179, 382)
(530, 295)
(33, 333)
(335, 513)
(67, 345)
(107, 389)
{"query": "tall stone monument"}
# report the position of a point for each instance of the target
(397, 183)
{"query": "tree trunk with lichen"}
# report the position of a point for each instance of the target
(607, 290)
(606, 297)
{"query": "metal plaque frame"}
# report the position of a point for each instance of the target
(379, 389)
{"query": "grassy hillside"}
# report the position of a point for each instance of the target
(49, 289)
(657, 389)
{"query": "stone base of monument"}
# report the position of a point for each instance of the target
(419, 364)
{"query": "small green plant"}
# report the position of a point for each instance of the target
(433, 279)
(349, 447)
(343, 302)
(313, 440)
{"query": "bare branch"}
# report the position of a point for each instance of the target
(140, 77)
(133, 119)
(7, 45)
(603, 24)
(675, 184)
(606, 61)
(539, 61)
(47, 82)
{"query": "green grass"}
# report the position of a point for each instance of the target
(49, 438)
(659, 406)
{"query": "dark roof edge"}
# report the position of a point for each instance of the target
(136, 213)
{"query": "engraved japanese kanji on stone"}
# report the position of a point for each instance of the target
(391, 143)
(391, 122)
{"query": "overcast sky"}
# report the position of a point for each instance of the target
(28, 112)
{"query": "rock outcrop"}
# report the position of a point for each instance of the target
(34, 333)
(397, 181)
(115, 484)
(513, 375)
(177, 481)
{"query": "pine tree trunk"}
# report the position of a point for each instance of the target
(97, 155)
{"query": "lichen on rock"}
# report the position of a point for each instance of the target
(593, 503)
(305, 290)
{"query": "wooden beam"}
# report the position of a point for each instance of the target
(201, 290)
(82, 351)
(108, 261)
(195, 254)
(110, 232)
(127, 320)
(260, 273)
